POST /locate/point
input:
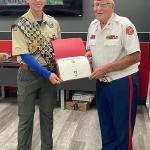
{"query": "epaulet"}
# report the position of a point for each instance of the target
(50, 17)
(123, 20)
(94, 21)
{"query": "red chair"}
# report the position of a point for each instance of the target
(6, 46)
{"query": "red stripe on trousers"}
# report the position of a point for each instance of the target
(130, 113)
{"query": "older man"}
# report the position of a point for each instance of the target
(113, 44)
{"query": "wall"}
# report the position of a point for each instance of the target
(68, 24)
(137, 10)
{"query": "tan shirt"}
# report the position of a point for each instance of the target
(50, 28)
(116, 40)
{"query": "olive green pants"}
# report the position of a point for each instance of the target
(30, 86)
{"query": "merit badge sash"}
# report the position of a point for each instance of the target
(37, 42)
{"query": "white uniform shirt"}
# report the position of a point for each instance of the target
(116, 40)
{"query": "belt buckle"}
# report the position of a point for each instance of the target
(109, 79)
(106, 79)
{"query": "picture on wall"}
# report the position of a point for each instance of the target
(52, 7)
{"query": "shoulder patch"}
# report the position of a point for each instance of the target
(49, 16)
(94, 21)
(14, 27)
(50, 24)
(129, 30)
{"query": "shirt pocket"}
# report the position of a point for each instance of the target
(92, 42)
(112, 49)
(111, 42)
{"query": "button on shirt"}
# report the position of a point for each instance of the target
(49, 28)
(116, 40)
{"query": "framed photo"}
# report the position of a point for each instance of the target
(52, 7)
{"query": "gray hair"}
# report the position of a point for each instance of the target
(109, 1)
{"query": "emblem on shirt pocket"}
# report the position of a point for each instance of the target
(110, 37)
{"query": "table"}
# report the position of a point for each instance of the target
(8, 75)
(80, 84)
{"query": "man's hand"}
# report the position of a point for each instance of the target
(99, 72)
(54, 79)
(88, 54)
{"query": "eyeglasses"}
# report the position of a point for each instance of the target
(97, 5)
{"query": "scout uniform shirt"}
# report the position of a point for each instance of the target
(49, 28)
(116, 40)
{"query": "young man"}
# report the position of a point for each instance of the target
(113, 44)
(31, 36)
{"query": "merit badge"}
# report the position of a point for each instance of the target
(19, 24)
(33, 47)
(50, 24)
(129, 30)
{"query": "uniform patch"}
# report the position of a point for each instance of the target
(51, 25)
(111, 37)
(92, 36)
(14, 28)
(129, 30)
(17, 49)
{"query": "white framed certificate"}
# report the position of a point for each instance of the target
(71, 68)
